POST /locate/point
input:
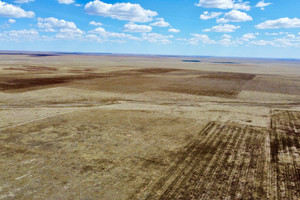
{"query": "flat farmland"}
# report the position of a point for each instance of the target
(89, 126)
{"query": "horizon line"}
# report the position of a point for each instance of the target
(28, 52)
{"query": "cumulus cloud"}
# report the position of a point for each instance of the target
(242, 6)
(173, 30)
(261, 42)
(225, 28)
(69, 33)
(20, 35)
(120, 11)
(289, 40)
(224, 4)
(248, 36)
(275, 34)
(66, 1)
(209, 15)
(9, 10)
(245, 39)
(262, 4)
(95, 23)
(280, 23)
(23, 1)
(200, 38)
(157, 38)
(221, 4)
(64, 29)
(160, 23)
(132, 27)
(92, 37)
(106, 34)
(226, 40)
(235, 16)
(291, 36)
(11, 21)
(52, 24)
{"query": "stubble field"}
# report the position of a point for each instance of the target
(148, 127)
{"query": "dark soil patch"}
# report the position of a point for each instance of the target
(32, 68)
(193, 61)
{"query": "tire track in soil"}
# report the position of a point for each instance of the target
(254, 185)
(216, 172)
(149, 192)
(230, 167)
(224, 153)
(238, 184)
(285, 154)
(232, 161)
(185, 173)
(236, 163)
(181, 189)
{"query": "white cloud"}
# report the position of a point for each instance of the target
(224, 4)
(221, 4)
(120, 11)
(106, 34)
(99, 30)
(11, 21)
(157, 38)
(262, 4)
(226, 36)
(279, 23)
(173, 30)
(274, 34)
(209, 15)
(160, 23)
(261, 42)
(66, 1)
(235, 16)
(242, 6)
(92, 37)
(200, 38)
(52, 24)
(69, 33)
(225, 28)
(20, 35)
(291, 36)
(65, 29)
(95, 23)
(23, 1)
(132, 27)
(248, 36)
(226, 40)
(285, 41)
(9, 10)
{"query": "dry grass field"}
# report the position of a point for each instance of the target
(148, 127)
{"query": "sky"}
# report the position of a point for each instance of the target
(230, 28)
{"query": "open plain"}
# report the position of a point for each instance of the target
(148, 127)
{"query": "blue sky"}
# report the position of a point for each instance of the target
(234, 28)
